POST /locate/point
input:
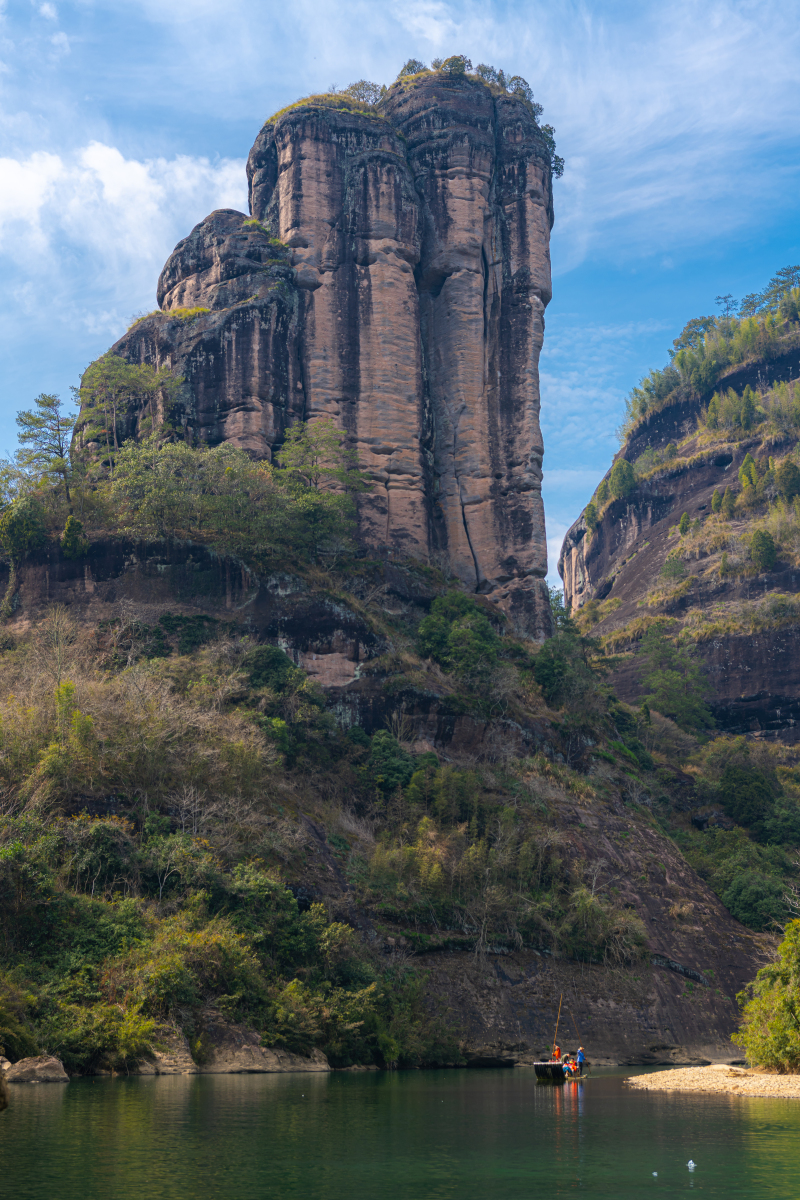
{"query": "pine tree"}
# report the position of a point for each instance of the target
(716, 501)
(45, 435)
(745, 473)
(728, 504)
(622, 480)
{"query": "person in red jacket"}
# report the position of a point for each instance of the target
(556, 1054)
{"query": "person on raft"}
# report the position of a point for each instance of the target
(556, 1054)
(581, 1060)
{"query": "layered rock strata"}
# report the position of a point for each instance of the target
(407, 307)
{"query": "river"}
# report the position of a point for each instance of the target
(417, 1135)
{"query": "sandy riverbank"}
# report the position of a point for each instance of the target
(731, 1081)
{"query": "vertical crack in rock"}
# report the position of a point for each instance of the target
(403, 299)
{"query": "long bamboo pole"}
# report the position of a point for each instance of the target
(558, 1018)
(575, 1023)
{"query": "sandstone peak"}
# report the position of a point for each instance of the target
(392, 277)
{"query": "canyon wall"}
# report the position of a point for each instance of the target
(393, 279)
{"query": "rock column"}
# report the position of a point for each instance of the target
(483, 173)
(341, 196)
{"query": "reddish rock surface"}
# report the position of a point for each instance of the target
(409, 309)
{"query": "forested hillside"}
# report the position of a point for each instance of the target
(253, 778)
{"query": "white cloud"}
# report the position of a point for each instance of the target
(60, 43)
(99, 226)
(48, 11)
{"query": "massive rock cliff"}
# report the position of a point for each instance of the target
(393, 278)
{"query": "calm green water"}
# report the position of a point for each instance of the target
(406, 1136)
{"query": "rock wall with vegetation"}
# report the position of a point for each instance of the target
(333, 811)
(695, 527)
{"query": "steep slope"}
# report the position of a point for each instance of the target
(736, 609)
(393, 279)
(461, 865)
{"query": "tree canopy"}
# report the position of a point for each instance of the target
(770, 1029)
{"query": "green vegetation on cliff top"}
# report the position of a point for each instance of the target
(762, 325)
(365, 97)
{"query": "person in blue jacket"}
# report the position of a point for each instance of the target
(581, 1060)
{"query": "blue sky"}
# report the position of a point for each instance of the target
(124, 123)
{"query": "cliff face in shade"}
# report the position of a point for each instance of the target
(409, 310)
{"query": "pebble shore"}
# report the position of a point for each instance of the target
(731, 1081)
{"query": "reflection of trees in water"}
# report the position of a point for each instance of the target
(3, 1094)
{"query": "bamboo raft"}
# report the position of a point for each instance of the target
(552, 1071)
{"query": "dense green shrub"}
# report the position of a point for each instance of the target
(770, 1030)
(756, 900)
(271, 667)
(762, 550)
(16, 1037)
(98, 1035)
(73, 543)
(750, 878)
(622, 479)
(22, 528)
(787, 479)
(674, 681)
(563, 672)
(390, 764)
(302, 506)
(459, 636)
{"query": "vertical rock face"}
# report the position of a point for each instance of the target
(336, 188)
(413, 317)
(484, 279)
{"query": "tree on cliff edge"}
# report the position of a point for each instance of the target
(45, 433)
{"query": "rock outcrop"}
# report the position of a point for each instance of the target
(393, 278)
(42, 1069)
(226, 1049)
